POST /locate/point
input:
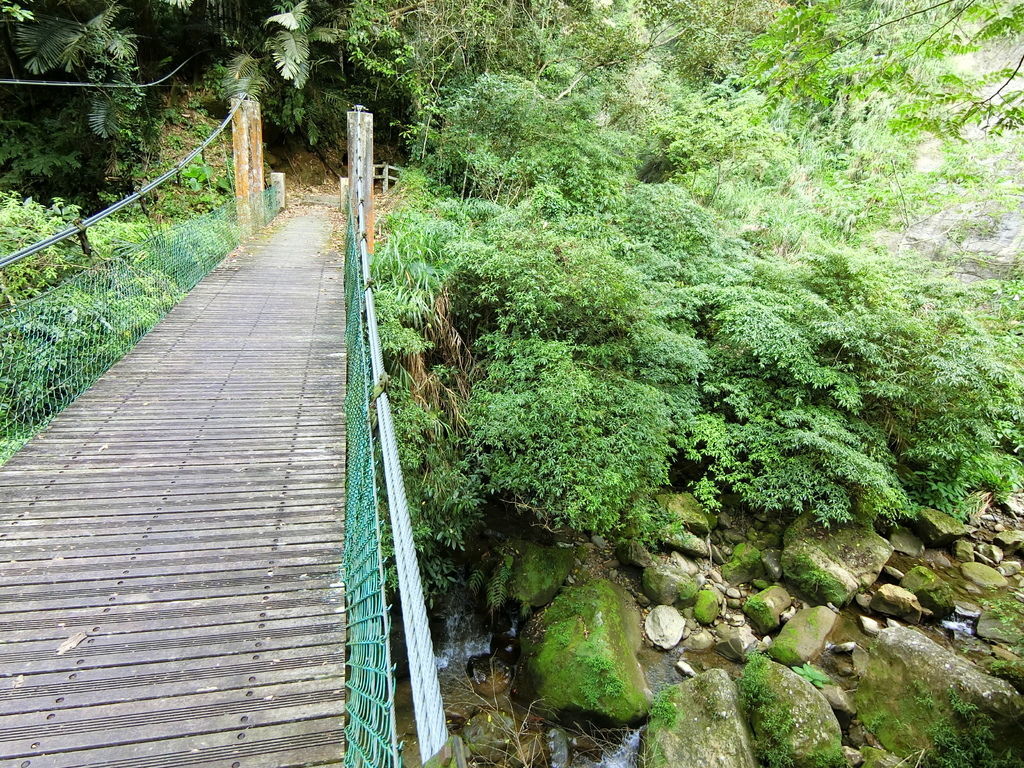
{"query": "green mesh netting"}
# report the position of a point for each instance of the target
(370, 726)
(55, 345)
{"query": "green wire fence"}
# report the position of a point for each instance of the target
(55, 345)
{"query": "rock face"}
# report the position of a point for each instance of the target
(766, 607)
(983, 575)
(1010, 541)
(744, 566)
(667, 584)
(632, 552)
(687, 543)
(790, 718)
(699, 723)
(538, 572)
(903, 540)
(665, 626)
(897, 601)
(579, 656)
(688, 511)
(937, 529)
(932, 591)
(991, 627)
(830, 566)
(803, 637)
(907, 686)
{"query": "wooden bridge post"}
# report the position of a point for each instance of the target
(360, 166)
(247, 148)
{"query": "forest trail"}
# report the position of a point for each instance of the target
(169, 591)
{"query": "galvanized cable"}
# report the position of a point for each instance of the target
(80, 84)
(431, 728)
(75, 229)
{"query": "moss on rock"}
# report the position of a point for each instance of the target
(830, 565)
(793, 724)
(538, 572)
(690, 512)
(707, 606)
(765, 608)
(579, 656)
(744, 565)
(931, 590)
(803, 637)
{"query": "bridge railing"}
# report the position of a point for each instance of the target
(370, 729)
(54, 345)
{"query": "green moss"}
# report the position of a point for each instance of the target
(707, 606)
(931, 590)
(744, 565)
(760, 614)
(580, 656)
(814, 581)
(538, 572)
(776, 727)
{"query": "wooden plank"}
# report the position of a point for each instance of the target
(170, 546)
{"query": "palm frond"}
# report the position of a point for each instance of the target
(244, 77)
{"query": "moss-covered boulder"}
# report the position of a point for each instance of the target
(907, 693)
(707, 606)
(667, 584)
(932, 591)
(937, 529)
(632, 552)
(766, 607)
(699, 723)
(538, 572)
(744, 566)
(680, 540)
(685, 508)
(830, 565)
(879, 758)
(983, 576)
(489, 736)
(579, 656)
(793, 724)
(803, 638)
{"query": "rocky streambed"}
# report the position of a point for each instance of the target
(741, 642)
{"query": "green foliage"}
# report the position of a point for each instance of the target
(577, 446)
(967, 741)
(812, 675)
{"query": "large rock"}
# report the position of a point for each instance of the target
(686, 543)
(933, 592)
(903, 540)
(937, 529)
(735, 643)
(685, 508)
(991, 627)
(766, 607)
(665, 626)
(791, 720)
(897, 601)
(983, 575)
(699, 723)
(667, 584)
(803, 637)
(538, 572)
(490, 735)
(579, 656)
(745, 564)
(1010, 541)
(707, 606)
(829, 566)
(632, 552)
(906, 690)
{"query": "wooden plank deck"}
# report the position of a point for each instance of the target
(170, 545)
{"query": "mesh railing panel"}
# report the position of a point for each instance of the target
(55, 345)
(370, 740)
